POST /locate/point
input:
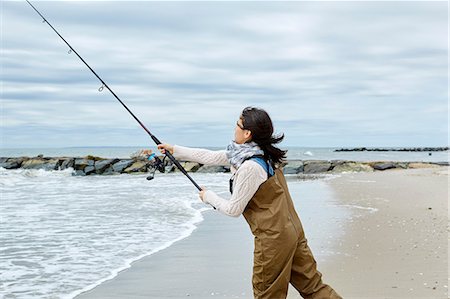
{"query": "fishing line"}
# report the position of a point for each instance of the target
(159, 164)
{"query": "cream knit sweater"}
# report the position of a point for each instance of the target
(247, 178)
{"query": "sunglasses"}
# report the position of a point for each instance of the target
(240, 126)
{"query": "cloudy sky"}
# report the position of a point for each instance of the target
(328, 73)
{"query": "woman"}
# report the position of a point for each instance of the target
(260, 193)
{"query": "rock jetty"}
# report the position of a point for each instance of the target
(412, 149)
(91, 165)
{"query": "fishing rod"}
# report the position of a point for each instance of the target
(158, 163)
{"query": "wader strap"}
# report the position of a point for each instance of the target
(264, 164)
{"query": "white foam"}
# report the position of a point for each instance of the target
(127, 264)
(370, 209)
(114, 221)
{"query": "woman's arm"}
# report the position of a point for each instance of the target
(202, 156)
(247, 180)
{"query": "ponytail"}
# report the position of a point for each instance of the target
(259, 123)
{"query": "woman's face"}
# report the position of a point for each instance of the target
(241, 135)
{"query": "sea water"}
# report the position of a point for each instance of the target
(62, 234)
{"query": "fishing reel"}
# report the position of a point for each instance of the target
(156, 164)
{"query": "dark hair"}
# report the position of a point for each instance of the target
(259, 123)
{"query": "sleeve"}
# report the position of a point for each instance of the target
(202, 156)
(247, 180)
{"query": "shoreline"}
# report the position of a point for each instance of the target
(383, 251)
(216, 259)
(193, 225)
(138, 280)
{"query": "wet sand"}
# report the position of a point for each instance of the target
(215, 260)
(392, 244)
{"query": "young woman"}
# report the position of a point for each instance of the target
(261, 195)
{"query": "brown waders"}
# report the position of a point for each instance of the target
(281, 254)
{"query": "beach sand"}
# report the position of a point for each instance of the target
(399, 250)
(392, 245)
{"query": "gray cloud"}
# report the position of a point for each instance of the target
(329, 73)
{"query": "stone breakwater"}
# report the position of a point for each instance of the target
(91, 165)
(412, 149)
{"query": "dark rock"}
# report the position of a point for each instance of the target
(335, 163)
(212, 169)
(189, 166)
(357, 149)
(67, 163)
(95, 158)
(316, 166)
(40, 163)
(293, 167)
(414, 149)
(89, 170)
(52, 164)
(81, 163)
(102, 165)
(33, 163)
(12, 163)
(121, 165)
(138, 166)
(383, 165)
(352, 166)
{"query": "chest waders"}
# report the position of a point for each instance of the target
(281, 254)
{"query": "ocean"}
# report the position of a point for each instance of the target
(61, 235)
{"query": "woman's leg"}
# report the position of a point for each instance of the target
(306, 278)
(272, 271)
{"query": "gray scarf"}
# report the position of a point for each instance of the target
(237, 153)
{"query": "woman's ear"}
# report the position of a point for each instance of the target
(248, 135)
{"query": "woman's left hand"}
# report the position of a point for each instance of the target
(201, 194)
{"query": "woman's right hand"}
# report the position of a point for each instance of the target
(163, 147)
